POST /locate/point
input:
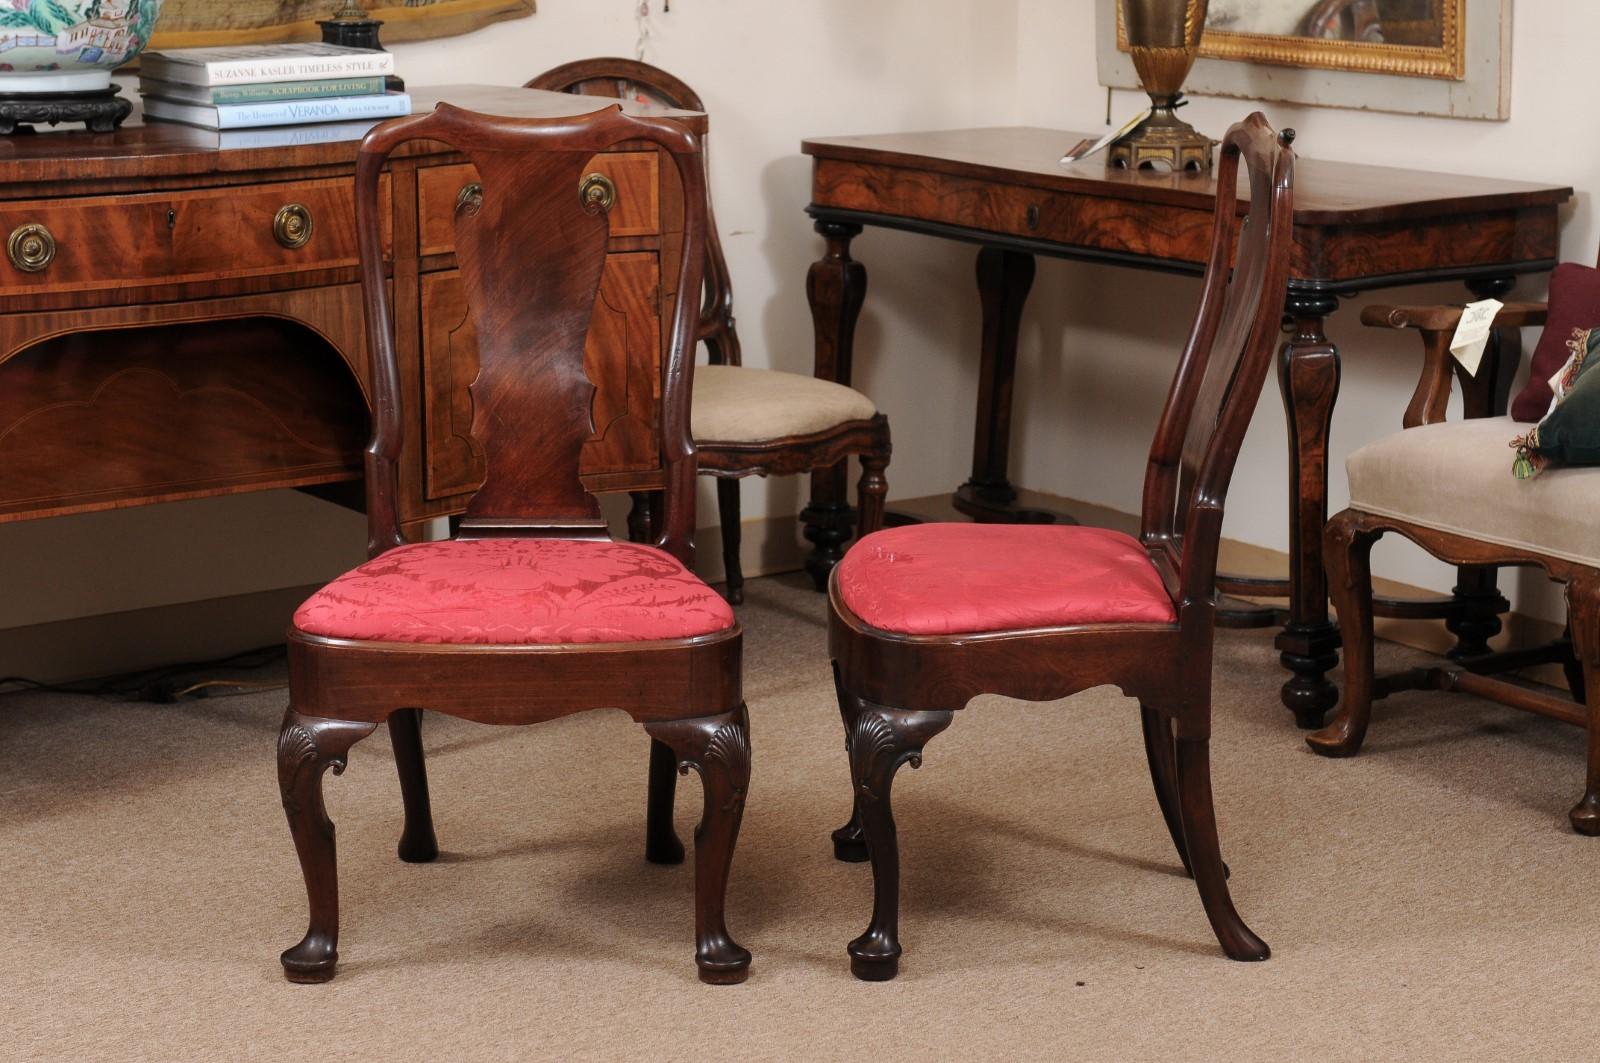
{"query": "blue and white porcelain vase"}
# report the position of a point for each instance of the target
(50, 47)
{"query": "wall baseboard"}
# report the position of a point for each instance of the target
(111, 643)
(114, 643)
(767, 546)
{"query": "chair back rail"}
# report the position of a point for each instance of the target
(616, 77)
(531, 257)
(1224, 363)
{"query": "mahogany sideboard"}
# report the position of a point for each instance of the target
(180, 314)
(1356, 228)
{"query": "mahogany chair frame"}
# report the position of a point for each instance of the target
(532, 262)
(1348, 542)
(897, 691)
(729, 462)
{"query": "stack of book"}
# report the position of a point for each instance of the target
(269, 85)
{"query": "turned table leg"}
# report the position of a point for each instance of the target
(1308, 374)
(1004, 280)
(836, 286)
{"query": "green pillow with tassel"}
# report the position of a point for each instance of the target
(1570, 432)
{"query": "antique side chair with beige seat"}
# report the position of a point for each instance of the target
(747, 421)
(1448, 487)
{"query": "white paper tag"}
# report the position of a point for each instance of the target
(1559, 382)
(1084, 148)
(1472, 333)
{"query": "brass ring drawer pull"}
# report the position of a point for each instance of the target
(597, 193)
(469, 199)
(31, 248)
(292, 225)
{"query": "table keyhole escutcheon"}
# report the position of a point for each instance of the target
(292, 225)
(1032, 216)
(31, 248)
(597, 193)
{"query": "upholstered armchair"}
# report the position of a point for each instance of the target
(1448, 487)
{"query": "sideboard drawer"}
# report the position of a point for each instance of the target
(201, 235)
(636, 212)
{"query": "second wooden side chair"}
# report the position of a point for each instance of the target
(532, 612)
(746, 421)
(927, 617)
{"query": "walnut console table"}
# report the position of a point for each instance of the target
(1356, 228)
(180, 314)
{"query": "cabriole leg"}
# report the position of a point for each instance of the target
(1349, 554)
(1158, 750)
(1573, 667)
(718, 747)
(1205, 853)
(882, 740)
(417, 842)
(1583, 610)
(661, 844)
(307, 747)
(849, 843)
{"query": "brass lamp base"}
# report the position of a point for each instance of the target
(1163, 139)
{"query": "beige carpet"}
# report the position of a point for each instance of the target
(1424, 901)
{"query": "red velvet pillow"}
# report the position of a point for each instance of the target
(1574, 304)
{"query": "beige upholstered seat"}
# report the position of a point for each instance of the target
(1455, 476)
(737, 404)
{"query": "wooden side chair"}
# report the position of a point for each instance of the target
(926, 617)
(1448, 487)
(531, 612)
(747, 422)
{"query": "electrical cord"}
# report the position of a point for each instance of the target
(164, 685)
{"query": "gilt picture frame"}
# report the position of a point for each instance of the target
(210, 24)
(1461, 69)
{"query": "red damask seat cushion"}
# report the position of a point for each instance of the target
(951, 579)
(516, 592)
